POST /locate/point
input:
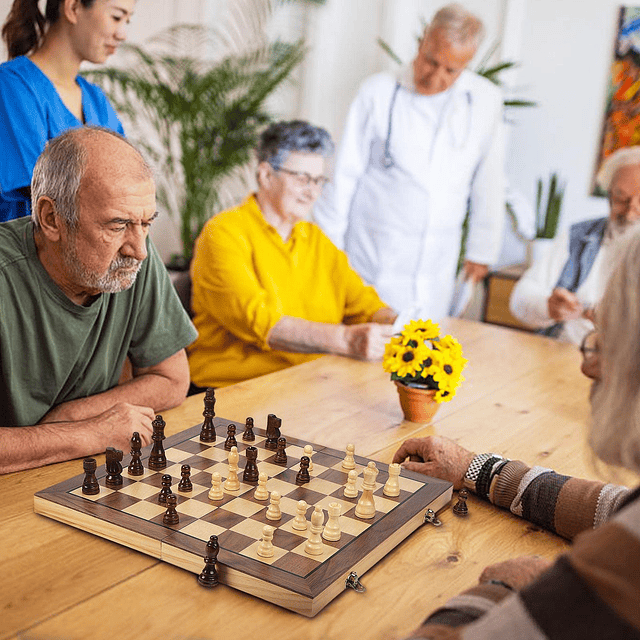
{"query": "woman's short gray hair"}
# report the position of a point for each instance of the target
(617, 160)
(59, 170)
(460, 26)
(615, 421)
(279, 139)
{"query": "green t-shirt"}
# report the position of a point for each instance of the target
(53, 351)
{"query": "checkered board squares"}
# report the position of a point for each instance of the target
(131, 513)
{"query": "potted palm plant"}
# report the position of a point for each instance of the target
(197, 107)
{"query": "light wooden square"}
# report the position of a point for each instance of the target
(146, 474)
(252, 552)
(177, 455)
(322, 486)
(327, 552)
(195, 508)
(202, 530)
(104, 491)
(140, 490)
(145, 510)
(242, 507)
(407, 484)
(352, 526)
(251, 528)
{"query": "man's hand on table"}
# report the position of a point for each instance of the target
(564, 305)
(367, 341)
(435, 456)
(517, 572)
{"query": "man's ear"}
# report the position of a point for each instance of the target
(70, 9)
(265, 174)
(50, 222)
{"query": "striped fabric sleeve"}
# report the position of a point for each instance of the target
(592, 592)
(559, 503)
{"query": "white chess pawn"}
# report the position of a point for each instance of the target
(314, 543)
(216, 493)
(349, 460)
(350, 489)
(232, 483)
(332, 528)
(308, 451)
(392, 485)
(261, 492)
(273, 511)
(300, 521)
(265, 548)
(366, 507)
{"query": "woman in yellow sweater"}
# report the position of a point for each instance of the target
(270, 290)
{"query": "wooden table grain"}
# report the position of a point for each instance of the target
(523, 397)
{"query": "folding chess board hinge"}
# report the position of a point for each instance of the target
(354, 583)
(431, 518)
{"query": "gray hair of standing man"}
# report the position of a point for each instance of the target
(279, 139)
(459, 25)
(615, 401)
(617, 160)
(59, 170)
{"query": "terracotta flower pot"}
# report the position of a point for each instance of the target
(418, 405)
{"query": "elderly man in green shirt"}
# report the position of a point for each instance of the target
(81, 289)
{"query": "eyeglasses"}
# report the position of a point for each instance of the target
(303, 179)
(589, 345)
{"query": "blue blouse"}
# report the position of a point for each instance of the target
(31, 113)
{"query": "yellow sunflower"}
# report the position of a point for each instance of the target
(412, 359)
(432, 363)
(425, 329)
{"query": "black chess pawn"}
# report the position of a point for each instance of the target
(303, 475)
(135, 466)
(231, 437)
(157, 457)
(460, 508)
(171, 516)
(185, 478)
(90, 486)
(114, 468)
(273, 432)
(166, 489)
(209, 575)
(208, 431)
(248, 435)
(281, 454)
(250, 474)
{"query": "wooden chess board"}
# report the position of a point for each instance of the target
(132, 516)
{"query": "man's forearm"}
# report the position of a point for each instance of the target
(296, 335)
(386, 315)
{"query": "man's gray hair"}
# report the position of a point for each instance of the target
(460, 26)
(618, 159)
(59, 170)
(615, 414)
(279, 139)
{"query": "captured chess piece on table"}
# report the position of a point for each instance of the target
(460, 508)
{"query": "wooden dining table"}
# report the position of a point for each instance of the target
(523, 397)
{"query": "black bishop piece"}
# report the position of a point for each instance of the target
(135, 466)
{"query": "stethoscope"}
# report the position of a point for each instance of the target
(387, 159)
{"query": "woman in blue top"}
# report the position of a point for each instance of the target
(41, 93)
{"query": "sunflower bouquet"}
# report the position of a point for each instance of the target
(419, 357)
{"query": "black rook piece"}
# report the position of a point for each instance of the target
(209, 575)
(250, 475)
(114, 468)
(303, 475)
(135, 466)
(157, 458)
(248, 434)
(208, 431)
(273, 432)
(281, 454)
(171, 515)
(231, 437)
(90, 486)
(185, 480)
(166, 489)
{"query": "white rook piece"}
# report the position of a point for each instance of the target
(300, 521)
(308, 451)
(265, 548)
(349, 460)
(314, 542)
(273, 512)
(366, 507)
(350, 490)
(332, 528)
(261, 492)
(232, 483)
(392, 485)
(216, 493)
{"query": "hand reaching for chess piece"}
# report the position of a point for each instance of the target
(435, 456)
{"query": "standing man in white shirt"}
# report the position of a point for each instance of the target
(416, 150)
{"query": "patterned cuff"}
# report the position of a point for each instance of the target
(481, 471)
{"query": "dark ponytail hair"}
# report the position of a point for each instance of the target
(25, 26)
